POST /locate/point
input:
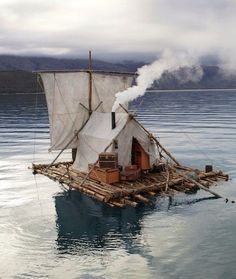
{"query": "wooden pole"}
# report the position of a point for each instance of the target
(151, 135)
(197, 183)
(201, 186)
(90, 82)
(167, 177)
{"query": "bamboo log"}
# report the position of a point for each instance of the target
(39, 166)
(185, 186)
(210, 181)
(204, 183)
(141, 198)
(151, 193)
(183, 167)
(167, 177)
(110, 204)
(76, 186)
(116, 203)
(68, 181)
(92, 183)
(92, 187)
(107, 196)
(189, 184)
(91, 193)
(157, 180)
(129, 202)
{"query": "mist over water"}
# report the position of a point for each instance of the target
(46, 234)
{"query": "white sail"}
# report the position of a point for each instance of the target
(105, 87)
(67, 95)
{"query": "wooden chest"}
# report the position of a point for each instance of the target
(131, 173)
(131, 167)
(108, 176)
(108, 160)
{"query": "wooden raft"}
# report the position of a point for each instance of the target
(175, 179)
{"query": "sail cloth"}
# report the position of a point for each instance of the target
(97, 135)
(66, 91)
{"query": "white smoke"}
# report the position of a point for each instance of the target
(228, 65)
(147, 74)
(186, 74)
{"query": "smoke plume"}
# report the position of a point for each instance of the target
(172, 62)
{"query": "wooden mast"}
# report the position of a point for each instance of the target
(74, 150)
(90, 82)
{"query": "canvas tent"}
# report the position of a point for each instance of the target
(97, 135)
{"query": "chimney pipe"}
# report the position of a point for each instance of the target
(113, 120)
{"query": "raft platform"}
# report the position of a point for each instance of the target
(175, 179)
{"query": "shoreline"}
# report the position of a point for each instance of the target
(151, 90)
(191, 89)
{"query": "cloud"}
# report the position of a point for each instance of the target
(119, 27)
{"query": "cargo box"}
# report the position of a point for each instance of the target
(131, 167)
(131, 175)
(108, 176)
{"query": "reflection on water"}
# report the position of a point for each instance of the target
(44, 233)
(94, 225)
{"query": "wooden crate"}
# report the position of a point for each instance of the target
(131, 167)
(131, 174)
(108, 176)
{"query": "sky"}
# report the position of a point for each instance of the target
(119, 29)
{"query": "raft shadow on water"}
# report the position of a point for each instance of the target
(84, 224)
(189, 202)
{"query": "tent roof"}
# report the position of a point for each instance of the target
(99, 125)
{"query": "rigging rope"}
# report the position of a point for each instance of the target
(35, 118)
(35, 133)
(197, 147)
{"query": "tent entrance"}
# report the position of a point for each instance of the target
(139, 157)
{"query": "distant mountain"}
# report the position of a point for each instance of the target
(8, 62)
(18, 82)
(16, 73)
(212, 77)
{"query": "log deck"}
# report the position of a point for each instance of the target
(126, 193)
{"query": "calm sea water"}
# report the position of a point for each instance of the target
(45, 234)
